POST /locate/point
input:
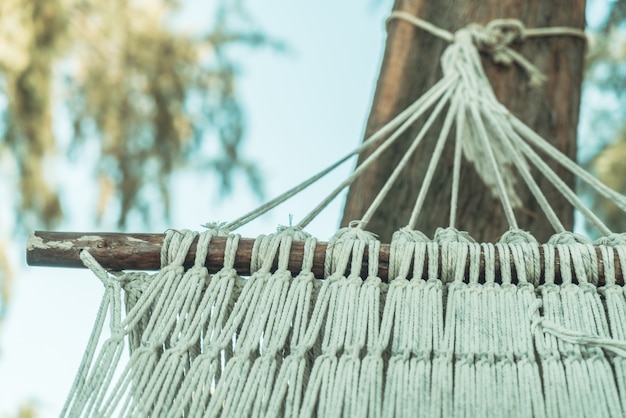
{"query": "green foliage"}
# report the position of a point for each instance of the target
(151, 95)
(30, 35)
(28, 410)
(606, 72)
(610, 166)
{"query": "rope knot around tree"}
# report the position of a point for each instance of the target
(497, 33)
(459, 327)
(495, 39)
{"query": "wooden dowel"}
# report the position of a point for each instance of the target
(117, 251)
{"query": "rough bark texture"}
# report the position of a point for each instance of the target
(116, 251)
(411, 65)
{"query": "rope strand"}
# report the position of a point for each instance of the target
(495, 38)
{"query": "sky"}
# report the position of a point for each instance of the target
(304, 109)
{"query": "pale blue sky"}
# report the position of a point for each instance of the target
(304, 109)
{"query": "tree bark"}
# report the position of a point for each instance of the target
(117, 251)
(409, 68)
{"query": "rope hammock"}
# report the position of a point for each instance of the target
(420, 327)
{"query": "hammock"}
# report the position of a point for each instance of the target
(420, 327)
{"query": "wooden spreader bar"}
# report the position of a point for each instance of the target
(118, 251)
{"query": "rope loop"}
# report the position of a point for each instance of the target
(518, 236)
(176, 244)
(220, 229)
(495, 39)
(567, 237)
(347, 244)
(403, 252)
(443, 235)
(497, 35)
(612, 240)
(296, 232)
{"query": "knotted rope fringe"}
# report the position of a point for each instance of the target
(278, 344)
(453, 344)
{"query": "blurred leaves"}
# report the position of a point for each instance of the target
(31, 33)
(148, 96)
(151, 95)
(6, 279)
(606, 57)
(27, 410)
(610, 167)
(606, 74)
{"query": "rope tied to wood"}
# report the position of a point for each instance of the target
(495, 39)
(485, 133)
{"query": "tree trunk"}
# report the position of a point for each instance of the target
(409, 68)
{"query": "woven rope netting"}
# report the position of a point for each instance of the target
(489, 328)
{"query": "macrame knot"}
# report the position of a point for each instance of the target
(403, 252)
(495, 39)
(175, 246)
(497, 35)
(295, 232)
(219, 228)
(353, 231)
(567, 237)
(517, 236)
(612, 240)
(406, 234)
(347, 244)
(267, 247)
(452, 235)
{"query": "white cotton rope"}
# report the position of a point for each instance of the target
(487, 134)
(495, 38)
(462, 339)
(396, 127)
(460, 328)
